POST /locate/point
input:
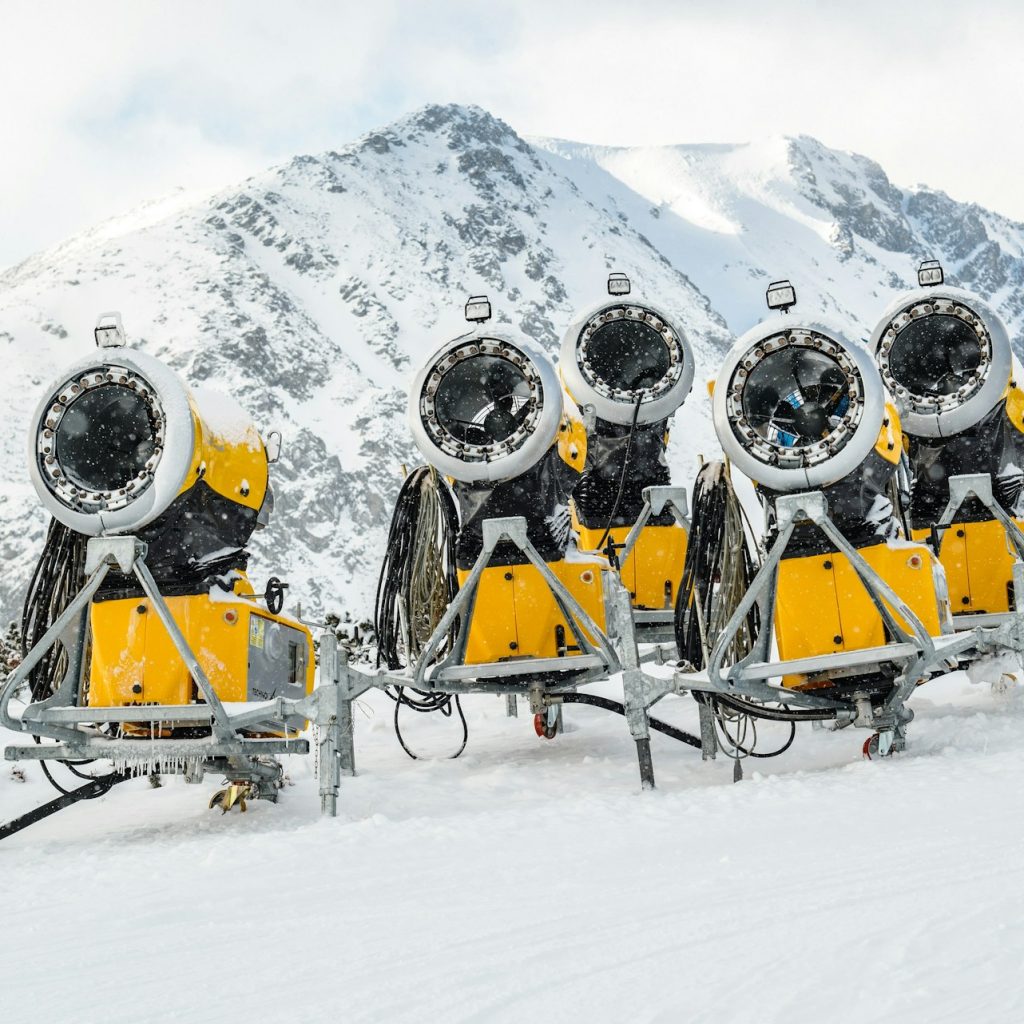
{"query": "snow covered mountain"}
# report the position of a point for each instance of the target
(313, 290)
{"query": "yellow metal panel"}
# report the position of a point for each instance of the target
(823, 607)
(589, 539)
(890, 438)
(572, 436)
(234, 467)
(807, 612)
(135, 662)
(657, 559)
(990, 567)
(492, 633)
(1015, 405)
(515, 614)
(118, 651)
(978, 561)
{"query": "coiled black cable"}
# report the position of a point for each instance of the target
(417, 583)
(718, 571)
(57, 578)
(718, 568)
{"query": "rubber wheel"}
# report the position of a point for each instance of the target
(870, 748)
(542, 729)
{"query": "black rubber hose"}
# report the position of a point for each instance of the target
(771, 714)
(620, 709)
(96, 787)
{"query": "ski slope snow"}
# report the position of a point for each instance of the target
(532, 880)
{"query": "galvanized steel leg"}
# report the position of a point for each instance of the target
(346, 745)
(328, 714)
(330, 776)
(634, 688)
(643, 756)
(708, 737)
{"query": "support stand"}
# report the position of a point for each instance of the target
(229, 749)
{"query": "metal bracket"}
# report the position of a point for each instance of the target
(655, 501)
(120, 551)
(961, 487)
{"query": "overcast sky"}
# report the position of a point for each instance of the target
(104, 104)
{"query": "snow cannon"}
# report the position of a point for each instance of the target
(120, 445)
(155, 489)
(801, 410)
(487, 410)
(625, 360)
(945, 356)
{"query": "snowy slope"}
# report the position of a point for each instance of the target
(313, 290)
(531, 880)
(736, 216)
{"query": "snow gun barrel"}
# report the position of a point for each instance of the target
(628, 361)
(797, 406)
(488, 410)
(119, 444)
(486, 407)
(945, 357)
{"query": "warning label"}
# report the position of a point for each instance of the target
(257, 626)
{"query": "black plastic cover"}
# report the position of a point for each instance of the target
(993, 445)
(594, 496)
(859, 505)
(540, 495)
(200, 536)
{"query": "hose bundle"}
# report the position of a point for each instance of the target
(417, 579)
(719, 568)
(57, 578)
(417, 583)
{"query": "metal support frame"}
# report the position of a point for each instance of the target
(657, 624)
(542, 681)
(979, 485)
(597, 654)
(79, 731)
(912, 650)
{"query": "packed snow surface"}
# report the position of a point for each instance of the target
(532, 880)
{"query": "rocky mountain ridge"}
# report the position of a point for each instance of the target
(312, 291)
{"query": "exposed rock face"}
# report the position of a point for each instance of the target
(313, 291)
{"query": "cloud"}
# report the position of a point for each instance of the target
(108, 103)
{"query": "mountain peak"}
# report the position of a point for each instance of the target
(312, 290)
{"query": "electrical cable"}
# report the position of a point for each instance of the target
(425, 703)
(782, 714)
(717, 572)
(719, 568)
(622, 474)
(417, 584)
(56, 579)
(92, 789)
(620, 709)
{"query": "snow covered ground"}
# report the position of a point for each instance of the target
(532, 880)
